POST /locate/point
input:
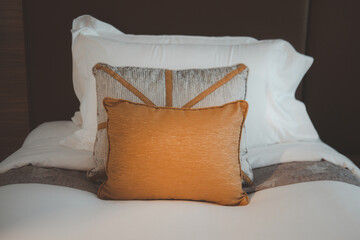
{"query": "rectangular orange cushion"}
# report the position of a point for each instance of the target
(174, 153)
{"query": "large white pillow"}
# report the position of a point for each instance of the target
(276, 69)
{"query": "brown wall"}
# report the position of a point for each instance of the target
(14, 118)
(332, 90)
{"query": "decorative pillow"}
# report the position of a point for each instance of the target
(160, 87)
(275, 115)
(174, 153)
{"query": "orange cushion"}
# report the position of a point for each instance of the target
(174, 153)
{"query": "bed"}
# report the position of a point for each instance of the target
(318, 201)
(302, 188)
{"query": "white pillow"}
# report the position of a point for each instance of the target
(41, 148)
(276, 69)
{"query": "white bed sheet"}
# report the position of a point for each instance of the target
(41, 148)
(312, 210)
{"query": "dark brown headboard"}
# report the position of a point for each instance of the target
(323, 29)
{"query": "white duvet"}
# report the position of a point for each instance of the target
(313, 210)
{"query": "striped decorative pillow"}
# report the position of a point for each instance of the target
(193, 88)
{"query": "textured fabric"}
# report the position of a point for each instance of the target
(174, 153)
(186, 85)
(296, 172)
(265, 177)
(53, 176)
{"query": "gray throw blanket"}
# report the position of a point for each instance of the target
(264, 178)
